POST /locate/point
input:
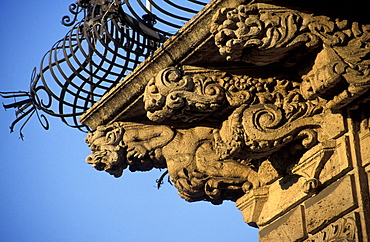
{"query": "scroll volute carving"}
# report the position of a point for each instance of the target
(344, 229)
(264, 34)
(215, 130)
(218, 161)
(174, 95)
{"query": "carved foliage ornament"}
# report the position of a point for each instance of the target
(250, 32)
(189, 98)
(242, 120)
(263, 34)
(344, 229)
(268, 112)
(218, 161)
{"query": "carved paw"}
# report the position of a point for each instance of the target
(247, 186)
(252, 182)
(136, 151)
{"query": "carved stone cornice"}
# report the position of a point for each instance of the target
(124, 100)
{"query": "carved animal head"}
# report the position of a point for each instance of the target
(124, 145)
(108, 149)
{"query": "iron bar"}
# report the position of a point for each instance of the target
(97, 53)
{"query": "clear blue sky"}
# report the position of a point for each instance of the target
(49, 193)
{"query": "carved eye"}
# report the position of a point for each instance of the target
(113, 137)
(94, 148)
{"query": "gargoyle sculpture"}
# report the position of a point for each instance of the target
(215, 128)
(194, 166)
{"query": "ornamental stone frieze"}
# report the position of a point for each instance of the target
(263, 34)
(264, 104)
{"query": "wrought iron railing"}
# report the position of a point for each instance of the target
(98, 52)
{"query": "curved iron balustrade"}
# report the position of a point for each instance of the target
(169, 15)
(97, 53)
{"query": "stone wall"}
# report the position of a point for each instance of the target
(339, 210)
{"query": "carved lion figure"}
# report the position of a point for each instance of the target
(193, 164)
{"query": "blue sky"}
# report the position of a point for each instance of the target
(49, 193)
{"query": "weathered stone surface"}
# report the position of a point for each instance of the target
(282, 229)
(325, 162)
(338, 164)
(344, 229)
(365, 149)
(251, 204)
(194, 166)
(283, 195)
(263, 103)
(330, 204)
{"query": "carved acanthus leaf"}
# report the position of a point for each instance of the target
(257, 131)
(175, 95)
(263, 34)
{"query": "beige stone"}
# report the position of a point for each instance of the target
(344, 229)
(251, 204)
(283, 195)
(365, 149)
(262, 103)
(282, 229)
(330, 204)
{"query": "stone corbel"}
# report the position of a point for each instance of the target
(217, 158)
(188, 154)
(228, 125)
(123, 144)
(264, 113)
(225, 133)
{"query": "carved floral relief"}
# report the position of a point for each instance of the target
(213, 161)
(189, 98)
(216, 130)
(264, 34)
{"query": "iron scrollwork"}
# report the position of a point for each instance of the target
(98, 52)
